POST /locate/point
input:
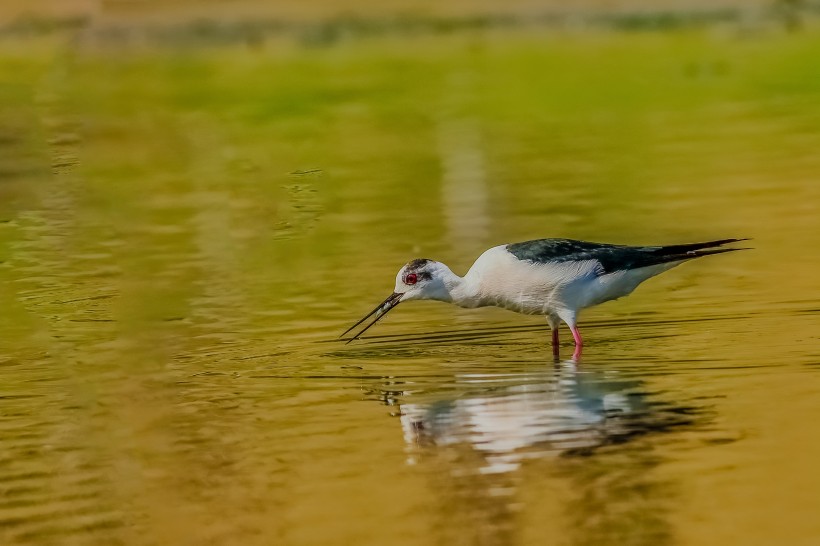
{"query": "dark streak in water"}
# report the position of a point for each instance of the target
(500, 330)
(89, 298)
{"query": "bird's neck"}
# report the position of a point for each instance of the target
(462, 291)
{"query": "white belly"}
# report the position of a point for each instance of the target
(611, 286)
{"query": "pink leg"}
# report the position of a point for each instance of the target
(579, 343)
(555, 341)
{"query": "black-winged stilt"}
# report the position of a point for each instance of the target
(552, 277)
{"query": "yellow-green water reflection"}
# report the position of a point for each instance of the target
(185, 233)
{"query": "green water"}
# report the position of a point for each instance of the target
(184, 232)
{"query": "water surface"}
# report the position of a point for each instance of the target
(185, 232)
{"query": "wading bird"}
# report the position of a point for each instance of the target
(552, 277)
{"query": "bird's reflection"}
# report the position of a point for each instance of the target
(475, 431)
(510, 417)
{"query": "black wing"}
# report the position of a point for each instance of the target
(612, 257)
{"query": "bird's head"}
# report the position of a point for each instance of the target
(421, 279)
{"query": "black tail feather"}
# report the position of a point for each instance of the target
(637, 257)
(684, 249)
(698, 253)
(677, 253)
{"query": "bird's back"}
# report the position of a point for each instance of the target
(611, 257)
(544, 275)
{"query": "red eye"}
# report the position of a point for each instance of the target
(410, 278)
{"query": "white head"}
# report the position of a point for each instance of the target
(421, 279)
(424, 279)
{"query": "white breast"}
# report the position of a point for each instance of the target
(531, 288)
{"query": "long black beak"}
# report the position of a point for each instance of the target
(381, 310)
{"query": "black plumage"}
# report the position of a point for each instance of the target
(612, 257)
(417, 266)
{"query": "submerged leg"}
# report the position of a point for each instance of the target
(569, 317)
(579, 343)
